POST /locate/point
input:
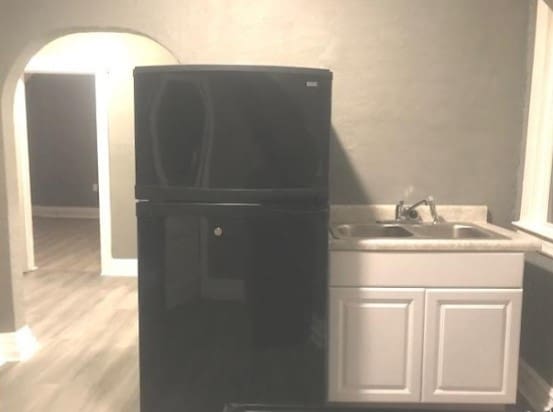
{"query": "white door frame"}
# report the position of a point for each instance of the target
(23, 173)
(109, 265)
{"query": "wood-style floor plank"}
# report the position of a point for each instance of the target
(86, 326)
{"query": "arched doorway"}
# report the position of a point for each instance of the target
(52, 310)
(110, 58)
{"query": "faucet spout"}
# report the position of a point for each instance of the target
(415, 205)
(410, 213)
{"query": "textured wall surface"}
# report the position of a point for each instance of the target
(61, 118)
(428, 94)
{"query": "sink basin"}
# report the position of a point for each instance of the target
(363, 231)
(452, 231)
(444, 230)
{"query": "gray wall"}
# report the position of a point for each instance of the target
(428, 94)
(536, 346)
(61, 121)
(433, 104)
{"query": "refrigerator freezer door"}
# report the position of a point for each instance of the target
(232, 304)
(232, 135)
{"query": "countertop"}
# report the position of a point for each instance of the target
(476, 215)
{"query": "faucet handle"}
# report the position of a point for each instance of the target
(432, 205)
(399, 209)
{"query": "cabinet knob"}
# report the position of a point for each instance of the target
(218, 231)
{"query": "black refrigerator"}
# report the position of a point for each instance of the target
(232, 208)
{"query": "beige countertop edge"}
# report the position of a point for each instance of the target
(515, 242)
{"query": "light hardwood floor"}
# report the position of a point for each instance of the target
(86, 326)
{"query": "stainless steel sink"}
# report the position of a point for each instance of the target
(452, 231)
(364, 231)
(413, 231)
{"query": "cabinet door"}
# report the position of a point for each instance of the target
(471, 345)
(375, 344)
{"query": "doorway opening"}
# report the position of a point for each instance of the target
(79, 317)
(63, 163)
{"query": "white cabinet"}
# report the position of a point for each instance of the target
(375, 344)
(471, 340)
(424, 327)
(423, 345)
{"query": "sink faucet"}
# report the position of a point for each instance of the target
(410, 213)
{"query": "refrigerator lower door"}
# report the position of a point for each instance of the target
(232, 305)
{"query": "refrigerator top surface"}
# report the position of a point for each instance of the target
(232, 68)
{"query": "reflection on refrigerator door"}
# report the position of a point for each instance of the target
(241, 312)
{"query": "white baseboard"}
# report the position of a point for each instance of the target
(66, 212)
(17, 346)
(534, 388)
(120, 267)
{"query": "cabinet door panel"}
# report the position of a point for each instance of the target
(471, 345)
(375, 344)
